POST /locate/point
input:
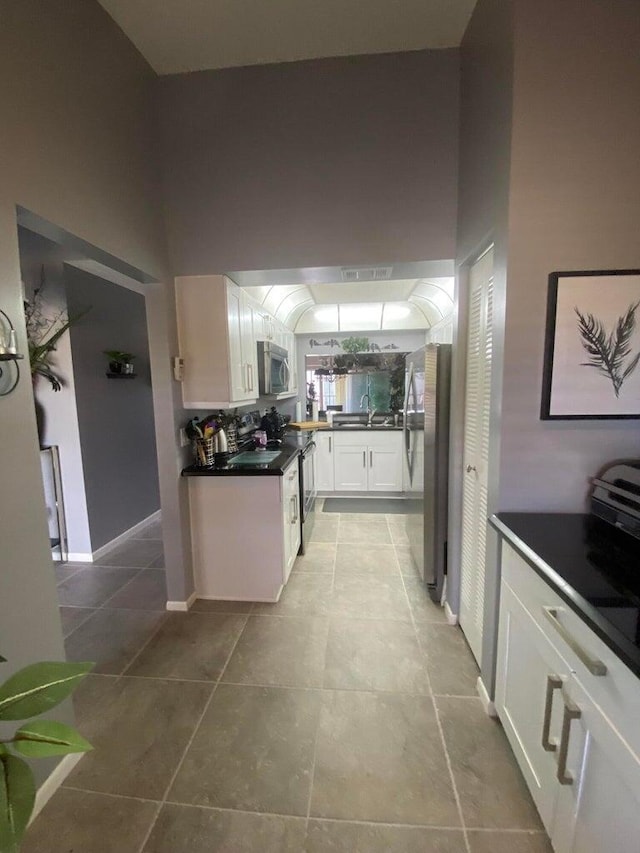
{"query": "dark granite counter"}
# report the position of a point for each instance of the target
(593, 567)
(274, 468)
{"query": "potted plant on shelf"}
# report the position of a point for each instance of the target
(120, 363)
(28, 693)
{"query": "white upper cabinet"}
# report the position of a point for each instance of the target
(216, 335)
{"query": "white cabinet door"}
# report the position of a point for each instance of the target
(324, 462)
(350, 469)
(529, 682)
(236, 325)
(598, 806)
(385, 469)
(476, 452)
(290, 519)
(251, 323)
(293, 363)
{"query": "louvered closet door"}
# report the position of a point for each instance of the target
(476, 451)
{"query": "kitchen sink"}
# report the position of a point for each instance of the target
(363, 426)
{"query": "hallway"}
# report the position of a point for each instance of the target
(343, 718)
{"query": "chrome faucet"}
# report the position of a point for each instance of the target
(370, 412)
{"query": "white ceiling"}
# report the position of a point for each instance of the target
(192, 35)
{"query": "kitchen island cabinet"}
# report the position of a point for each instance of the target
(568, 703)
(245, 533)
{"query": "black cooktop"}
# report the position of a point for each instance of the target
(594, 568)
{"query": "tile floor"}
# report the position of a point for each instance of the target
(343, 718)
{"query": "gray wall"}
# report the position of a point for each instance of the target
(59, 413)
(349, 160)
(575, 204)
(115, 416)
(77, 148)
(549, 170)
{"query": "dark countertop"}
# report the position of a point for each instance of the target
(593, 567)
(275, 468)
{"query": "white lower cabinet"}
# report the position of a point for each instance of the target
(245, 534)
(600, 809)
(290, 518)
(569, 708)
(367, 461)
(324, 461)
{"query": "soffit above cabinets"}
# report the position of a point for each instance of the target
(365, 306)
(193, 35)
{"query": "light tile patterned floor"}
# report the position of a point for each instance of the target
(344, 718)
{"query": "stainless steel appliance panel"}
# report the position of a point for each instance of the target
(274, 374)
(426, 444)
(308, 492)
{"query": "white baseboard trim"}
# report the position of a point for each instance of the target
(53, 782)
(182, 606)
(91, 557)
(487, 704)
(76, 557)
(452, 618)
(103, 549)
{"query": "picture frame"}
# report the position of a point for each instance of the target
(591, 365)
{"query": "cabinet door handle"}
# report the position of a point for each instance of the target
(371, 458)
(294, 500)
(571, 712)
(250, 375)
(554, 682)
(364, 458)
(329, 444)
(594, 665)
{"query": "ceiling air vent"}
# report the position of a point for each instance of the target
(366, 273)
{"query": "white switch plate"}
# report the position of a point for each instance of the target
(178, 368)
(184, 441)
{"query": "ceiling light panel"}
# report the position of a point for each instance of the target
(365, 316)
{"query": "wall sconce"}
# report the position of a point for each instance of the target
(9, 354)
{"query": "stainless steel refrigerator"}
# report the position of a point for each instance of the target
(426, 460)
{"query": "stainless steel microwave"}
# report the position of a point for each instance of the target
(273, 369)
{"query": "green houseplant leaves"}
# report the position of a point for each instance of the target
(30, 692)
(39, 687)
(17, 796)
(42, 738)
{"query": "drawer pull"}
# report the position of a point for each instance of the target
(571, 712)
(554, 682)
(594, 665)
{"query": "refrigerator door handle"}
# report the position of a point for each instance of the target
(405, 418)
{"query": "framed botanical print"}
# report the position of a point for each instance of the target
(592, 346)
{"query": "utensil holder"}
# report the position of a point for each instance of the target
(203, 452)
